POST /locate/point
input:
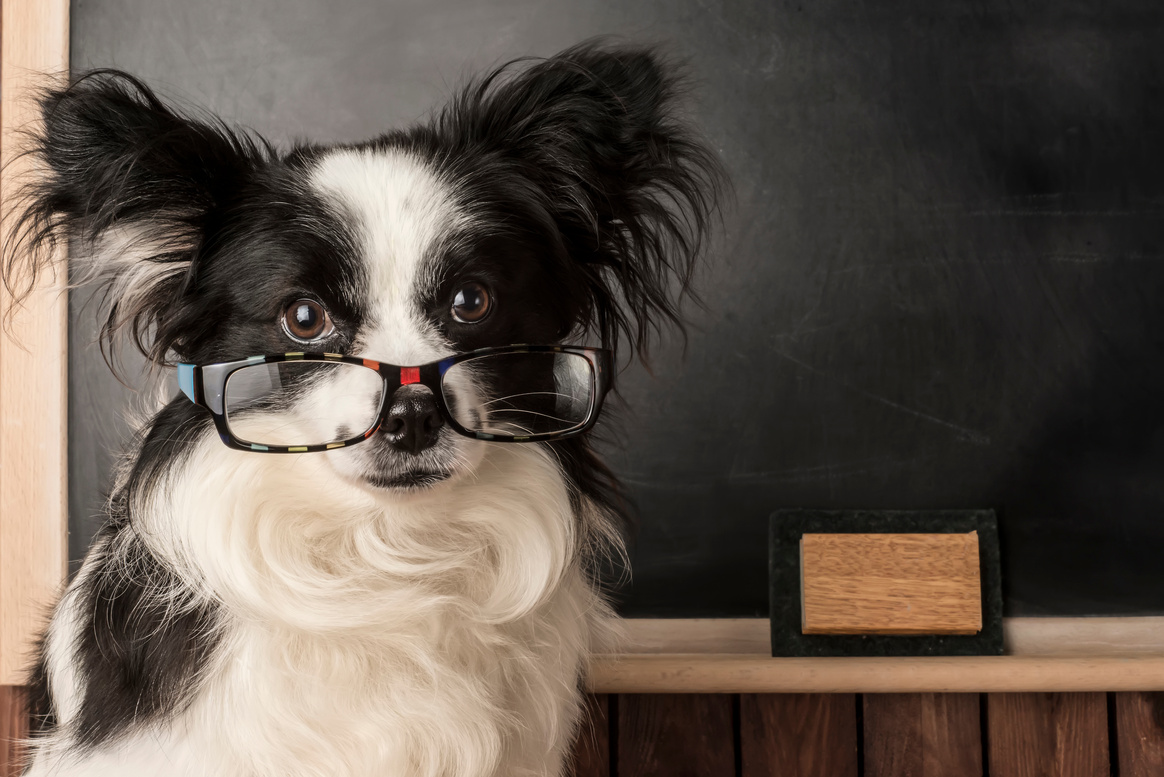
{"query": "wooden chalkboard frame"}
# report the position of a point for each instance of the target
(34, 40)
(664, 656)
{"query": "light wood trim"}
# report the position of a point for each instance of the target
(732, 655)
(1084, 636)
(34, 40)
(696, 635)
(1078, 637)
(673, 673)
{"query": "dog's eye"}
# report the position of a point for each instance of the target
(306, 320)
(471, 303)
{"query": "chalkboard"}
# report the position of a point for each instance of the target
(941, 284)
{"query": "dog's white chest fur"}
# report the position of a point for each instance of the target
(463, 699)
(421, 641)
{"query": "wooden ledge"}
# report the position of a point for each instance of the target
(704, 673)
(732, 656)
(1077, 637)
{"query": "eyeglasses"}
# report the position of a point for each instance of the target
(305, 402)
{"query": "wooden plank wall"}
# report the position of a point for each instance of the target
(13, 729)
(874, 735)
(841, 735)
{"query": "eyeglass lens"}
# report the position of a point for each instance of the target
(518, 394)
(302, 403)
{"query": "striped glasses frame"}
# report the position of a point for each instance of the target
(205, 386)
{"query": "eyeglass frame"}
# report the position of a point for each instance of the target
(205, 386)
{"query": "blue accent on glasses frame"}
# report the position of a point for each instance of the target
(186, 381)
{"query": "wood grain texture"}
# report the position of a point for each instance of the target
(1092, 637)
(675, 735)
(34, 39)
(592, 748)
(1139, 725)
(1048, 735)
(922, 735)
(798, 735)
(1130, 636)
(13, 729)
(948, 674)
(890, 584)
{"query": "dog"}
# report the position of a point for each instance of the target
(422, 603)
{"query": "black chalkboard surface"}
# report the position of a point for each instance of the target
(941, 285)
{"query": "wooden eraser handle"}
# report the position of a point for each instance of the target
(890, 584)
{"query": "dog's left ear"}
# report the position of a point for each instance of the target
(630, 189)
(134, 185)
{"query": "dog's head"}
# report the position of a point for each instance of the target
(549, 200)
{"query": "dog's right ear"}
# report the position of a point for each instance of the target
(132, 183)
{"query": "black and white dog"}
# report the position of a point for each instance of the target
(420, 607)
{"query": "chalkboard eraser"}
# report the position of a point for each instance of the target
(884, 583)
(890, 584)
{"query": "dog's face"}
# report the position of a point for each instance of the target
(377, 251)
(540, 204)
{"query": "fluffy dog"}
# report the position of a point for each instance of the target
(423, 603)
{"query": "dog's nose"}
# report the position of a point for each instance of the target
(413, 421)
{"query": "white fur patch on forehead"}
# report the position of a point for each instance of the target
(405, 213)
